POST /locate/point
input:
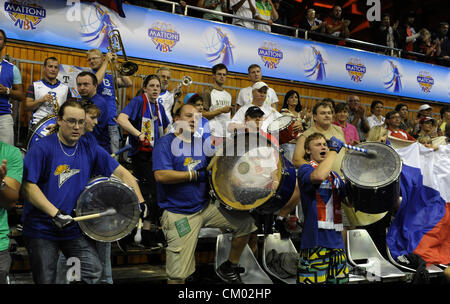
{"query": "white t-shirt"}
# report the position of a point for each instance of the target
(167, 100)
(243, 11)
(270, 114)
(41, 89)
(218, 124)
(373, 121)
(246, 97)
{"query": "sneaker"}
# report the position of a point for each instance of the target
(230, 273)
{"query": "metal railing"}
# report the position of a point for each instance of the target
(394, 52)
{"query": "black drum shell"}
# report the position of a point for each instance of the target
(372, 182)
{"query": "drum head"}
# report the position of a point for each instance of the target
(279, 124)
(104, 193)
(372, 172)
(40, 130)
(245, 174)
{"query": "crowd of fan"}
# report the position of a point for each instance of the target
(416, 42)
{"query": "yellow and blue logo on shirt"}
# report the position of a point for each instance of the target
(25, 16)
(64, 173)
(356, 69)
(425, 81)
(164, 36)
(270, 54)
(191, 163)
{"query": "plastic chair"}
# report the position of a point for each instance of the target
(362, 252)
(253, 274)
(433, 270)
(274, 241)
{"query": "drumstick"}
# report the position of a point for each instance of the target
(126, 148)
(368, 152)
(138, 236)
(110, 211)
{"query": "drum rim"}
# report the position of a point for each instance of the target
(258, 203)
(116, 182)
(283, 128)
(389, 181)
(36, 127)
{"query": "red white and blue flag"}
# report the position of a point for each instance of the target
(422, 223)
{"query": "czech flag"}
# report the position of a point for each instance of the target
(115, 5)
(422, 223)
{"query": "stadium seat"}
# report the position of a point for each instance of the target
(274, 242)
(253, 273)
(362, 252)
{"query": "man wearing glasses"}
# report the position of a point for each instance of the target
(56, 170)
(87, 88)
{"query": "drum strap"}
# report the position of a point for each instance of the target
(323, 217)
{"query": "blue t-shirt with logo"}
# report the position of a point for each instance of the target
(62, 178)
(313, 236)
(105, 88)
(170, 153)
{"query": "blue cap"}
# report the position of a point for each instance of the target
(188, 97)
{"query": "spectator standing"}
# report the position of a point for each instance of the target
(386, 34)
(442, 36)
(408, 34)
(265, 11)
(428, 47)
(215, 5)
(335, 25)
(243, 8)
(311, 23)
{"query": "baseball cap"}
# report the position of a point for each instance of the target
(189, 96)
(258, 85)
(424, 119)
(424, 107)
(254, 111)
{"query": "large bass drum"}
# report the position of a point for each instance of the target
(251, 174)
(40, 130)
(103, 193)
(372, 181)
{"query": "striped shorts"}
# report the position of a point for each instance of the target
(321, 265)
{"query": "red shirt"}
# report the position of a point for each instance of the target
(401, 134)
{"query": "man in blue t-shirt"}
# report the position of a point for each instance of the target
(179, 165)
(99, 64)
(87, 87)
(10, 88)
(322, 255)
(56, 170)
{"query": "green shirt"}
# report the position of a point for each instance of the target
(15, 171)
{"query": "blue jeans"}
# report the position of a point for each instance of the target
(104, 254)
(114, 136)
(43, 255)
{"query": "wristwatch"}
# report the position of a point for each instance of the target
(2, 185)
(8, 90)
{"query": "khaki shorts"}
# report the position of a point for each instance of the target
(182, 230)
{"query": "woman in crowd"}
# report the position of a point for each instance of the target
(428, 127)
(405, 124)
(291, 107)
(340, 119)
(376, 119)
